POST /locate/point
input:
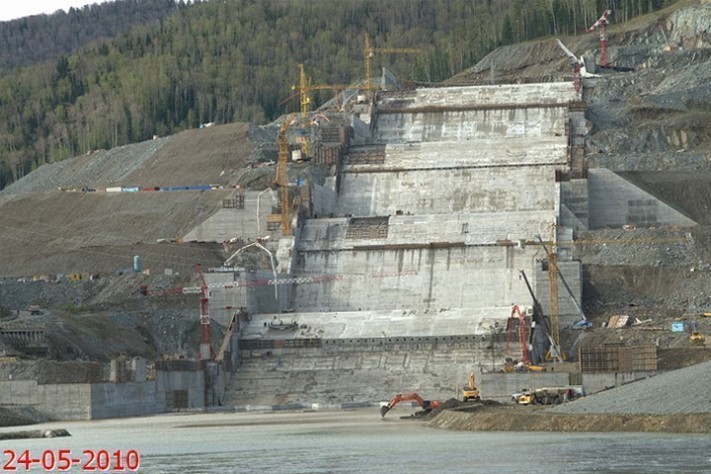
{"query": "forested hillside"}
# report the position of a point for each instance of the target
(235, 60)
(35, 38)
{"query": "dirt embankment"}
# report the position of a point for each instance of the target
(531, 419)
(673, 402)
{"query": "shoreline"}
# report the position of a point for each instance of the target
(477, 418)
(507, 419)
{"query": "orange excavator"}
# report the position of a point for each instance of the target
(427, 405)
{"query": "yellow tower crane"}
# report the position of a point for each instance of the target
(369, 53)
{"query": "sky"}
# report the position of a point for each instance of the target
(11, 9)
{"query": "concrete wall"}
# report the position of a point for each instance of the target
(574, 211)
(573, 274)
(615, 202)
(192, 381)
(323, 201)
(81, 401)
(471, 229)
(485, 153)
(380, 326)
(115, 400)
(247, 223)
(448, 191)
(59, 401)
(424, 278)
(500, 95)
(499, 124)
(360, 372)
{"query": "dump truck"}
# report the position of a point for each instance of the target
(547, 395)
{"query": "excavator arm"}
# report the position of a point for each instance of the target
(426, 405)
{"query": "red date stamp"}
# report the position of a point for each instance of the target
(65, 459)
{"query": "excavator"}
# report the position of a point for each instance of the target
(471, 392)
(427, 405)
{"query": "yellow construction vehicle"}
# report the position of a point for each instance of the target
(697, 338)
(471, 392)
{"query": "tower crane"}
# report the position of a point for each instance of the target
(369, 52)
(206, 352)
(600, 24)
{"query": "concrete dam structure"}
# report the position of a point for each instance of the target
(438, 202)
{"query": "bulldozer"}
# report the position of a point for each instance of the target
(470, 392)
(697, 338)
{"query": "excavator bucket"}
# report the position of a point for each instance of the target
(383, 410)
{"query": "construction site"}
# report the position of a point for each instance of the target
(393, 240)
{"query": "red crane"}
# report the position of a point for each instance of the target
(206, 352)
(516, 311)
(601, 23)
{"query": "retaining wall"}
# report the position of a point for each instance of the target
(83, 401)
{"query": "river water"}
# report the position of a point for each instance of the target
(359, 441)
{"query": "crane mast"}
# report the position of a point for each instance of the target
(600, 24)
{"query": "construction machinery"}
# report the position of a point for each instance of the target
(579, 69)
(697, 338)
(546, 396)
(600, 24)
(524, 364)
(470, 392)
(206, 352)
(542, 323)
(516, 314)
(427, 405)
(369, 54)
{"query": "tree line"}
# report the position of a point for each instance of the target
(236, 60)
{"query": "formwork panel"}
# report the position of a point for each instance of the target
(618, 358)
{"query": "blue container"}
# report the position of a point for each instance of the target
(137, 264)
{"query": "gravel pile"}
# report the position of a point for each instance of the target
(100, 169)
(685, 390)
